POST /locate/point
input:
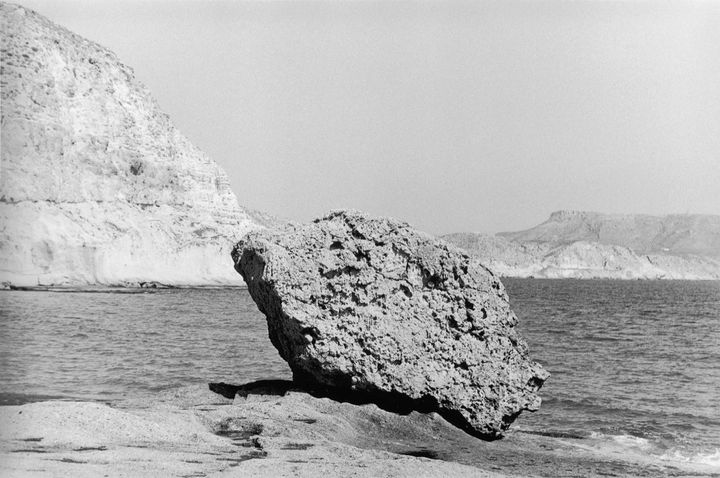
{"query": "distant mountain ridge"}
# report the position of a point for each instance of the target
(697, 234)
(579, 244)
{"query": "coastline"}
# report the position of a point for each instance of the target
(119, 289)
(134, 289)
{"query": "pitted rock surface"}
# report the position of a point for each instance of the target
(371, 306)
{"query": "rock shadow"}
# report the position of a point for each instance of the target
(258, 387)
(392, 402)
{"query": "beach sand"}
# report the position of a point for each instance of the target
(271, 431)
(202, 434)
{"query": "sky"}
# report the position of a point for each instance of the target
(480, 116)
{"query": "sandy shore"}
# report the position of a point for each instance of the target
(268, 431)
(204, 434)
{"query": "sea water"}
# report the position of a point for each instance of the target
(635, 364)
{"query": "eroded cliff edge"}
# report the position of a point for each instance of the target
(96, 184)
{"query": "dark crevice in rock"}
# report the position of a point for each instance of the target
(431, 280)
(362, 256)
(349, 270)
(136, 168)
(535, 384)
(406, 290)
(311, 334)
(509, 418)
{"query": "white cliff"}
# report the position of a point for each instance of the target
(96, 184)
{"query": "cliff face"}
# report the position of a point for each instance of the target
(591, 245)
(96, 185)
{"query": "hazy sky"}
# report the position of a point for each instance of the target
(481, 116)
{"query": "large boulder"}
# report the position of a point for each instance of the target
(370, 306)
